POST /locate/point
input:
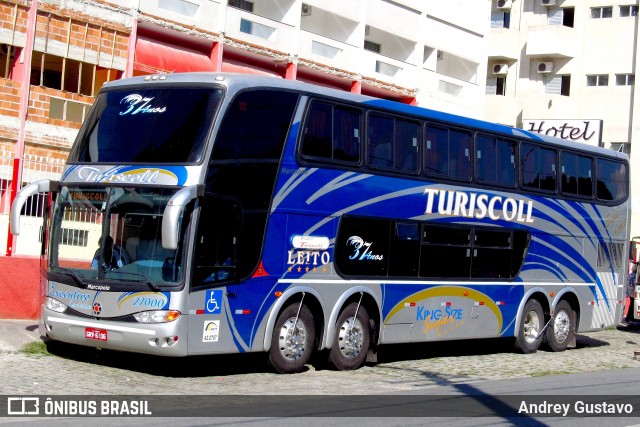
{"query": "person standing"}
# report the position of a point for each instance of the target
(631, 287)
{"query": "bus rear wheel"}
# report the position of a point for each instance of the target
(292, 339)
(560, 330)
(531, 324)
(352, 338)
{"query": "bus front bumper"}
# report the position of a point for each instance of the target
(164, 339)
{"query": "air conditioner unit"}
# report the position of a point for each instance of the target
(306, 10)
(504, 4)
(500, 69)
(544, 67)
(548, 2)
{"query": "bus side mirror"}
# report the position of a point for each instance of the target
(173, 212)
(43, 186)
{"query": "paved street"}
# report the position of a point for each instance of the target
(401, 368)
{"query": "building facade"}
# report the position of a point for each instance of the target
(410, 51)
(567, 68)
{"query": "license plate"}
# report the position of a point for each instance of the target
(95, 334)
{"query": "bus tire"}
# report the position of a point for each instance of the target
(292, 340)
(531, 323)
(559, 331)
(351, 339)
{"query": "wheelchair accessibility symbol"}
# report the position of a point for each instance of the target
(213, 302)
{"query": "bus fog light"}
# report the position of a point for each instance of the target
(55, 305)
(172, 340)
(157, 316)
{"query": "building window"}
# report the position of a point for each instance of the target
(69, 75)
(625, 79)
(628, 11)
(242, 4)
(500, 19)
(561, 16)
(372, 46)
(558, 85)
(598, 80)
(496, 86)
(602, 12)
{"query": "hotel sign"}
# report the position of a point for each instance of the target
(586, 131)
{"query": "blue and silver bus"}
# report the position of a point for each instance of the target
(225, 213)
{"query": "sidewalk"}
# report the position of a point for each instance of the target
(15, 334)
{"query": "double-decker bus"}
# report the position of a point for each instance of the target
(230, 213)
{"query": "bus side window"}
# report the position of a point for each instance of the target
(407, 135)
(380, 138)
(317, 134)
(612, 178)
(332, 132)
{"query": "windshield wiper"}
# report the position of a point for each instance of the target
(145, 279)
(70, 273)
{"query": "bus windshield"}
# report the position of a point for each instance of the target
(168, 125)
(113, 235)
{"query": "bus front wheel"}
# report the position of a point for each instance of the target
(292, 339)
(560, 330)
(529, 337)
(351, 339)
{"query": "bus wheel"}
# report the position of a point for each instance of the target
(561, 328)
(531, 323)
(292, 339)
(351, 339)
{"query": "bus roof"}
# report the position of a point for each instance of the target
(237, 81)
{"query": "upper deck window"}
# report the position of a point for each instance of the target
(448, 153)
(332, 132)
(612, 180)
(159, 125)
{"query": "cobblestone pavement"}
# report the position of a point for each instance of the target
(79, 371)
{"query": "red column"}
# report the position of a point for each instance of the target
(131, 54)
(25, 87)
(291, 72)
(356, 86)
(216, 55)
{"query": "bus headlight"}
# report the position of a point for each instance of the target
(55, 305)
(157, 316)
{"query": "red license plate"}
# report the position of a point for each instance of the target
(95, 334)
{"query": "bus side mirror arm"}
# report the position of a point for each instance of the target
(43, 186)
(172, 213)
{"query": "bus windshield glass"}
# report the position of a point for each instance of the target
(147, 126)
(113, 235)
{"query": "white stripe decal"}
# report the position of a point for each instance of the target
(442, 283)
(100, 325)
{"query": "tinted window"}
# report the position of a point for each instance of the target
(495, 161)
(255, 125)
(612, 180)
(332, 132)
(253, 130)
(448, 153)
(163, 125)
(538, 167)
(362, 246)
(392, 143)
(576, 174)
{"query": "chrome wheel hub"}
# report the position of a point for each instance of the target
(292, 338)
(531, 327)
(561, 326)
(350, 337)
